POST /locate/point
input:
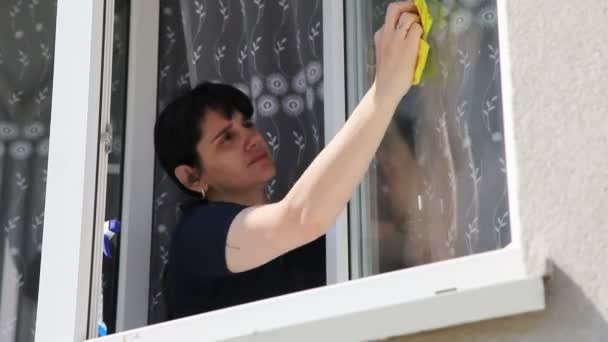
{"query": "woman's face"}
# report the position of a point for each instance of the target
(235, 156)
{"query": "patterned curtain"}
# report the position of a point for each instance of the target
(27, 39)
(271, 50)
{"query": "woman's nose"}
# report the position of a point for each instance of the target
(252, 140)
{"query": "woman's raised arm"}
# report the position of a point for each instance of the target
(262, 233)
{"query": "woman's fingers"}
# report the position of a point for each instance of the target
(397, 44)
(378, 35)
(394, 11)
(376, 50)
(412, 39)
(406, 20)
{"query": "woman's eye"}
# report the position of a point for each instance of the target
(248, 123)
(226, 138)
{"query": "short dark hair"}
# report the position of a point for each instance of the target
(177, 130)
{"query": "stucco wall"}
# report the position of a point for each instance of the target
(559, 60)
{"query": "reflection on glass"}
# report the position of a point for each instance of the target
(437, 189)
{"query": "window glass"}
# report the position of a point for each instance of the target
(437, 188)
(114, 185)
(272, 51)
(27, 41)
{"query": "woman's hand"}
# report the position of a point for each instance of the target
(397, 44)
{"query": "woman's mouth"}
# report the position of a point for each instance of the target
(260, 157)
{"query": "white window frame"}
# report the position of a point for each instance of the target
(134, 268)
(437, 295)
(372, 308)
(65, 271)
(138, 189)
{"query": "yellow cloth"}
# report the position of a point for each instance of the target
(423, 52)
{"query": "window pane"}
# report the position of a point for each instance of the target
(437, 187)
(27, 40)
(115, 164)
(272, 50)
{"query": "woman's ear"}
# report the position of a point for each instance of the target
(190, 177)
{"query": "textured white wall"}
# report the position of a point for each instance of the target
(559, 61)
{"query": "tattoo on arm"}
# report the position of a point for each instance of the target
(233, 247)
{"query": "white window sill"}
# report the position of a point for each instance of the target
(444, 294)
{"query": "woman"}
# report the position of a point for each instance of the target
(228, 249)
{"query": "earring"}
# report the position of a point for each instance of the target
(203, 193)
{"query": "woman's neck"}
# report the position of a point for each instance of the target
(247, 198)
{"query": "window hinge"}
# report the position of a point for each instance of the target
(107, 138)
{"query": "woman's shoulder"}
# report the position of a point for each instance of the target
(201, 235)
(211, 208)
(209, 213)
